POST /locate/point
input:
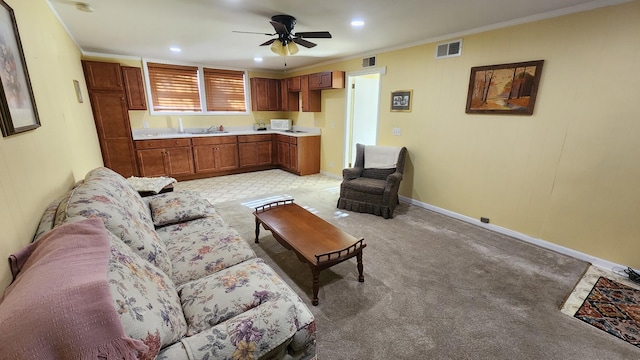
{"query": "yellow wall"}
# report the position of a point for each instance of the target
(37, 166)
(568, 174)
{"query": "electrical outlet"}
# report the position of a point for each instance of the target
(396, 131)
(484, 220)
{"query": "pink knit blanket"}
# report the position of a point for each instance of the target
(59, 305)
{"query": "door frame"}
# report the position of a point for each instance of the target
(348, 113)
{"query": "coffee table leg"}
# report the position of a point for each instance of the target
(360, 266)
(316, 285)
(257, 229)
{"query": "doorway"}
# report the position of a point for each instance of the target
(363, 100)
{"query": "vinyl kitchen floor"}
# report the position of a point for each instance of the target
(242, 186)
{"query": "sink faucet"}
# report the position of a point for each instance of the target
(212, 129)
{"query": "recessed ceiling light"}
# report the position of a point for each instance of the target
(175, 49)
(257, 59)
(357, 22)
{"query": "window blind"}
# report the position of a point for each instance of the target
(224, 90)
(174, 87)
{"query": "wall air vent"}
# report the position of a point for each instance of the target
(369, 61)
(449, 49)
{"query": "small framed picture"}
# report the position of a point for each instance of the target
(401, 100)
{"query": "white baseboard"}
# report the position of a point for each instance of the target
(595, 261)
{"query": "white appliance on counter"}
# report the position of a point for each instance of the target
(280, 124)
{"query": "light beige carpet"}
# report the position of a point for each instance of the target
(435, 288)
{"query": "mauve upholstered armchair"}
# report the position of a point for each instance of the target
(371, 190)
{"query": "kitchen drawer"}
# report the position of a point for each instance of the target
(165, 143)
(254, 138)
(286, 138)
(214, 140)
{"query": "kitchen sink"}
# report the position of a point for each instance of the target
(204, 132)
(295, 131)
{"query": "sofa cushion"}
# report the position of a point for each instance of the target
(207, 251)
(176, 207)
(244, 311)
(221, 296)
(59, 305)
(101, 195)
(258, 333)
(146, 299)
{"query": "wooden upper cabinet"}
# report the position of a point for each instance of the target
(293, 84)
(265, 94)
(290, 99)
(103, 76)
(311, 99)
(134, 88)
(326, 80)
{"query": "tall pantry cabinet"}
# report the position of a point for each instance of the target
(110, 112)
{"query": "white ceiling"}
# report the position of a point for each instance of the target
(203, 28)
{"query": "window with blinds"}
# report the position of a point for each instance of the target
(224, 90)
(175, 88)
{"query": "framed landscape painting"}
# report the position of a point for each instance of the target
(504, 89)
(17, 105)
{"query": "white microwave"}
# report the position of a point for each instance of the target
(280, 124)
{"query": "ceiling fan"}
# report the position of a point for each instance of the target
(285, 43)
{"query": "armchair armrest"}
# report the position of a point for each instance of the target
(351, 173)
(393, 180)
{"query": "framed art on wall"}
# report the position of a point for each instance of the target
(18, 111)
(504, 89)
(401, 100)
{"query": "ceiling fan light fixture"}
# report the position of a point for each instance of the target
(293, 48)
(278, 48)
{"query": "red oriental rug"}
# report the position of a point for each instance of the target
(614, 308)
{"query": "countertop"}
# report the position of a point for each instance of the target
(170, 133)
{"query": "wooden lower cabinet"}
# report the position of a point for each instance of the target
(284, 154)
(172, 157)
(255, 150)
(218, 153)
(300, 155)
(199, 157)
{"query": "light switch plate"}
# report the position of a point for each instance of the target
(396, 131)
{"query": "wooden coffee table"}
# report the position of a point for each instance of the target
(315, 241)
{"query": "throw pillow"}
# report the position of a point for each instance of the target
(176, 207)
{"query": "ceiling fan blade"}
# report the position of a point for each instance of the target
(268, 42)
(314, 35)
(305, 43)
(251, 32)
(280, 29)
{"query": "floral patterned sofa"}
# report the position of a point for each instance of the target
(182, 280)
